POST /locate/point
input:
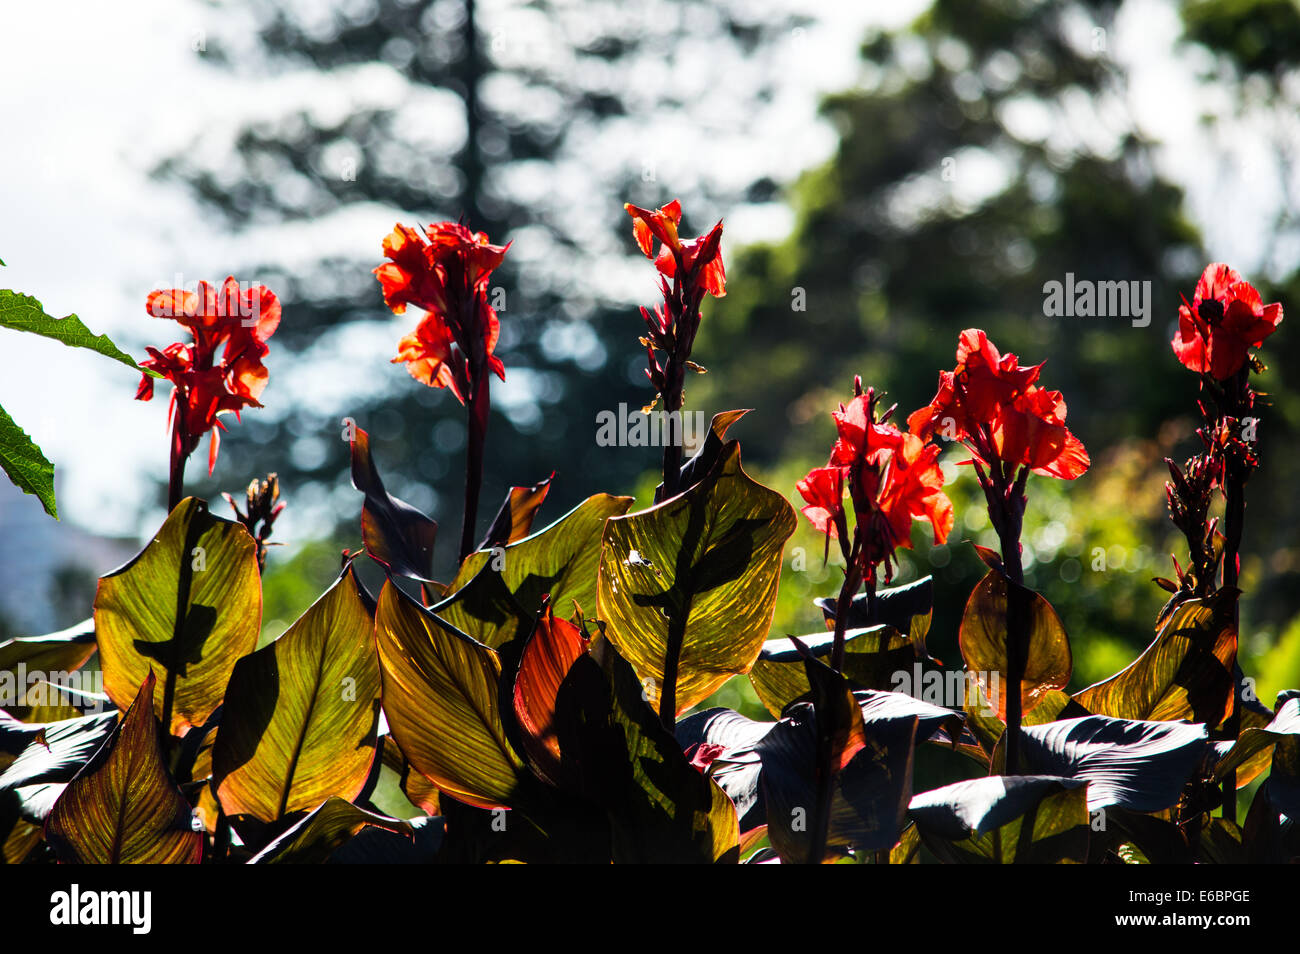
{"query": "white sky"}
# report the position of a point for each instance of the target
(92, 93)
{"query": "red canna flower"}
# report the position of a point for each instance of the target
(446, 275)
(823, 488)
(992, 403)
(232, 320)
(1031, 432)
(892, 479)
(1225, 320)
(697, 257)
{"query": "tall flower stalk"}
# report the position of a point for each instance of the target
(445, 273)
(1012, 428)
(1225, 319)
(891, 478)
(218, 371)
(688, 270)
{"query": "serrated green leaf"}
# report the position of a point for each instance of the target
(26, 466)
(25, 313)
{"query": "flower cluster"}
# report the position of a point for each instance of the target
(694, 268)
(221, 369)
(891, 477)
(445, 272)
(994, 404)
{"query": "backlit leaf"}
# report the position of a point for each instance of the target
(26, 465)
(514, 520)
(396, 534)
(441, 695)
(874, 658)
(1185, 674)
(188, 606)
(700, 570)
(550, 652)
(983, 640)
(301, 714)
(25, 313)
(497, 594)
(660, 808)
(123, 807)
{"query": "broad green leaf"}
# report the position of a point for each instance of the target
(24, 313)
(123, 807)
(698, 571)
(301, 715)
(27, 467)
(329, 826)
(1000, 819)
(1185, 674)
(189, 605)
(660, 808)
(1141, 766)
(983, 640)
(496, 592)
(442, 698)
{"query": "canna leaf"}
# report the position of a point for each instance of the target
(700, 569)
(983, 641)
(873, 659)
(660, 808)
(497, 594)
(123, 807)
(441, 696)
(394, 533)
(1005, 819)
(301, 715)
(514, 520)
(1185, 674)
(189, 605)
(326, 828)
(1140, 766)
(549, 654)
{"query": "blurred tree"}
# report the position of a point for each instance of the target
(532, 120)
